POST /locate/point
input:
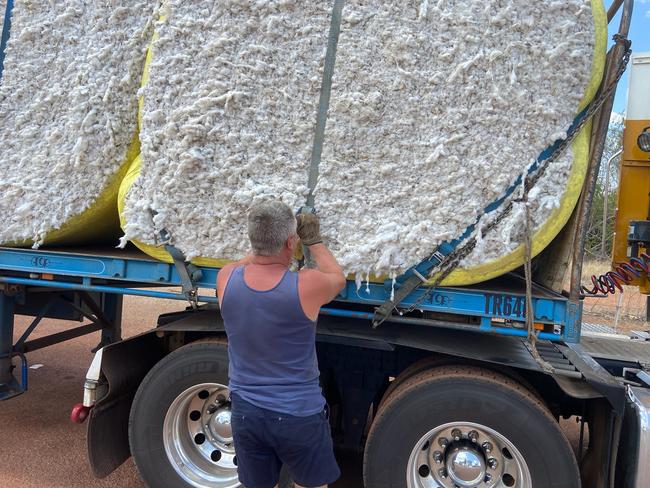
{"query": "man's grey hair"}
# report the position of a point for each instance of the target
(270, 224)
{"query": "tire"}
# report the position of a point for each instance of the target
(181, 376)
(403, 447)
(411, 370)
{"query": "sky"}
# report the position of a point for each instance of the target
(640, 36)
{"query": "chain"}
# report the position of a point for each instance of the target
(591, 111)
(453, 259)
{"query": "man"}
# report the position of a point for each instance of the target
(270, 312)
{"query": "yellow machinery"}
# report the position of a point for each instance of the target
(632, 230)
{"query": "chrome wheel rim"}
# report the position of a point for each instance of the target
(198, 437)
(466, 455)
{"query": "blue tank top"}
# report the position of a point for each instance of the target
(271, 346)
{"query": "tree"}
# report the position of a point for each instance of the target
(600, 231)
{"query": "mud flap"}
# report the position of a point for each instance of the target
(124, 365)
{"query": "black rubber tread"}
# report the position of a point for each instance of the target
(431, 362)
(215, 339)
(476, 395)
(200, 362)
(411, 370)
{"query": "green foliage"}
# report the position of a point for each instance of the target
(604, 199)
(595, 241)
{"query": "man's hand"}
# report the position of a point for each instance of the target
(309, 229)
(320, 285)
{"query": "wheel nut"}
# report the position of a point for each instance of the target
(456, 434)
(492, 463)
(488, 477)
(443, 442)
(212, 408)
(437, 457)
(487, 447)
(442, 472)
(473, 436)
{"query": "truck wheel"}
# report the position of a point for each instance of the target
(179, 427)
(411, 370)
(462, 426)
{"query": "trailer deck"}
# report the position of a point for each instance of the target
(496, 306)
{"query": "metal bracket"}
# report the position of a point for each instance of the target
(595, 375)
(409, 282)
(187, 272)
(644, 376)
(13, 388)
(11, 290)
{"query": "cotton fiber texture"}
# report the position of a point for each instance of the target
(436, 109)
(68, 112)
(3, 7)
(228, 118)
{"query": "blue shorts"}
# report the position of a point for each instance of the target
(265, 440)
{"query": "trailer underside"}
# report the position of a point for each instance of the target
(357, 365)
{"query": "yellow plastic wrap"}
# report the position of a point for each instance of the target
(560, 216)
(490, 269)
(100, 220)
(156, 252)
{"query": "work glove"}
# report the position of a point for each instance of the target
(309, 229)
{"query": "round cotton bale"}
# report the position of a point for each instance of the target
(68, 105)
(436, 109)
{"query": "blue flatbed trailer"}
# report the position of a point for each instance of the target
(97, 278)
(496, 307)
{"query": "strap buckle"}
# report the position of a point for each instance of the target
(188, 274)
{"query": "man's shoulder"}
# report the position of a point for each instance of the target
(230, 266)
(225, 272)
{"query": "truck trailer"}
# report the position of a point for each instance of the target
(438, 386)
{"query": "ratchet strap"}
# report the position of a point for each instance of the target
(187, 272)
(321, 117)
(324, 101)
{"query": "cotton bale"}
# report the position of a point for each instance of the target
(68, 105)
(436, 109)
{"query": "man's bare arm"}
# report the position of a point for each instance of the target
(327, 265)
(317, 286)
